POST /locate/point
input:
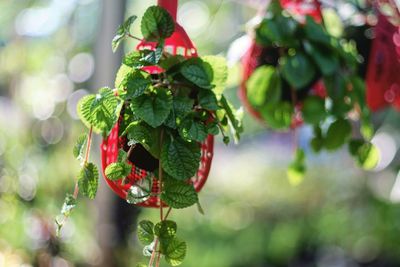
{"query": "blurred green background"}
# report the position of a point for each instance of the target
(52, 52)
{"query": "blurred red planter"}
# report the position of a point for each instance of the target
(382, 77)
(251, 59)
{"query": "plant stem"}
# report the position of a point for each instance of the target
(127, 156)
(153, 254)
(160, 188)
(134, 37)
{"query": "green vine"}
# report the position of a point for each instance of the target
(168, 114)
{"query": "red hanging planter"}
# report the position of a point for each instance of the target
(143, 164)
(251, 59)
(382, 77)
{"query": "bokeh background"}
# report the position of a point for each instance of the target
(52, 52)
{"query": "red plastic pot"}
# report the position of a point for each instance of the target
(250, 60)
(178, 43)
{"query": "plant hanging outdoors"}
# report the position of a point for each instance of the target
(158, 126)
(297, 72)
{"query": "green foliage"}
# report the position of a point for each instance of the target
(180, 158)
(145, 232)
(168, 114)
(117, 170)
(79, 147)
(339, 132)
(88, 180)
(264, 86)
(294, 57)
(297, 168)
(178, 194)
(298, 70)
(69, 205)
(175, 251)
(100, 111)
(313, 110)
(365, 153)
(198, 72)
(153, 108)
(156, 24)
(122, 32)
(278, 115)
(165, 229)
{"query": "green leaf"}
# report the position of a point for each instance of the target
(297, 168)
(79, 147)
(276, 30)
(136, 83)
(117, 170)
(175, 252)
(208, 100)
(366, 154)
(88, 180)
(233, 117)
(171, 61)
(198, 72)
(316, 32)
(165, 229)
(180, 159)
(212, 128)
(122, 155)
(140, 191)
(146, 135)
(145, 232)
(326, 60)
(220, 73)
(101, 111)
(69, 205)
(141, 264)
(178, 194)
(122, 31)
(122, 72)
(317, 142)
(313, 110)
(298, 70)
(153, 109)
(339, 132)
(278, 115)
(156, 24)
(193, 130)
(152, 57)
(264, 86)
(181, 107)
(133, 60)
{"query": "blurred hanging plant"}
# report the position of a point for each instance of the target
(294, 57)
(169, 114)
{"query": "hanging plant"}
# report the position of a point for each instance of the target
(158, 126)
(300, 73)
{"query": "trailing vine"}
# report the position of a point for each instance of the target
(293, 58)
(169, 114)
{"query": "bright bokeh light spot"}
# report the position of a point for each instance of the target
(27, 187)
(60, 87)
(194, 17)
(52, 130)
(395, 193)
(387, 147)
(81, 67)
(36, 22)
(73, 101)
(238, 48)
